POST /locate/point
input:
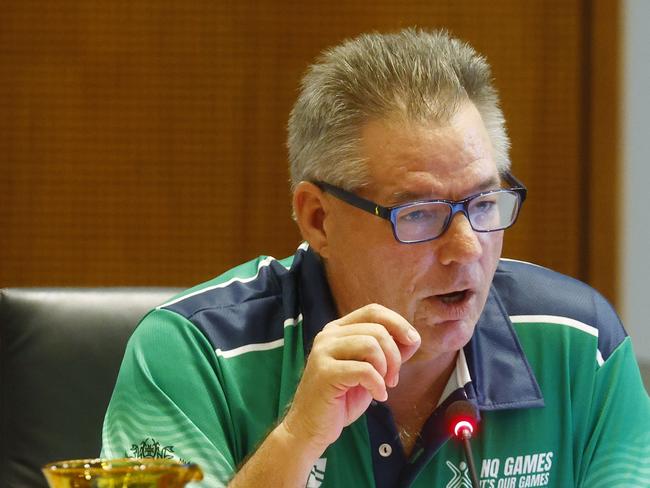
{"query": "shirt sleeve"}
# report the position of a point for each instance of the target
(168, 401)
(617, 452)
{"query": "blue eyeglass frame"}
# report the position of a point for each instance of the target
(457, 206)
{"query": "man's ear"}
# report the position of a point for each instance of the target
(310, 206)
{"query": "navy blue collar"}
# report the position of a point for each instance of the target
(501, 375)
(316, 301)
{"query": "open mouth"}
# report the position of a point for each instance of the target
(453, 297)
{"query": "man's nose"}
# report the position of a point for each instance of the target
(459, 243)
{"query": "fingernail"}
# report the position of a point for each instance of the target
(413, 335)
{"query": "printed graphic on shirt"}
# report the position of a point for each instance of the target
(460, 477)
(523, 471)
(151, 448)
(317, 474)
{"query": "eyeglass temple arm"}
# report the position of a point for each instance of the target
(516, 184)
(354, 200)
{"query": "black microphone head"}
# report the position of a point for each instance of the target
(461, 418)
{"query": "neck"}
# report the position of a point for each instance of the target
(417, 394)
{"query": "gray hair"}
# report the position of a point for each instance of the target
(413, 73)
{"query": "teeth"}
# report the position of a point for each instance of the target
(452, 297)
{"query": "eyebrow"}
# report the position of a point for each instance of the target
(399, 197)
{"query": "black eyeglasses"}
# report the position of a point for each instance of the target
(426, 220)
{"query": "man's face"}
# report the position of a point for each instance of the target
(439, 286)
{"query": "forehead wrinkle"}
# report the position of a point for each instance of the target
(474, 144)
(437, 151)
(410, 161)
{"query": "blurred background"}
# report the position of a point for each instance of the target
(143, 143)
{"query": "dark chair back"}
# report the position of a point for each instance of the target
(60, 351)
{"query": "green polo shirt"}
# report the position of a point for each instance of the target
(207, 375)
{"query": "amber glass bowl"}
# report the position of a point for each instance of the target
(120, 473)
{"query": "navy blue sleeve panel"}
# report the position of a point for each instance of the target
(240, 312)
(252, 322)
(528, 289)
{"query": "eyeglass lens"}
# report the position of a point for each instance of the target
(428, 220)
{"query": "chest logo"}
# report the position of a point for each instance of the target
(460, 477)
(522, 471)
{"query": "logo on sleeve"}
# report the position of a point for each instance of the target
(151, 448)
(317, 474)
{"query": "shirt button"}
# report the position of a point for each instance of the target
(385, 450)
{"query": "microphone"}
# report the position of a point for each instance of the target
(462, 419)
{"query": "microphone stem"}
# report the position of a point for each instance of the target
(470, 461)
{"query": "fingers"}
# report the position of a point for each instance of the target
(402, 332)
(397, 326)
(371, 343)
(373, 334)
(352, 374)
(367, 348)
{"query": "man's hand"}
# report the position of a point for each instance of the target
(353, 360)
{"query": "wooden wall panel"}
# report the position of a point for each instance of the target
(143, 142)
(603, 113)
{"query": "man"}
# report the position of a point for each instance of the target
(336, 367)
